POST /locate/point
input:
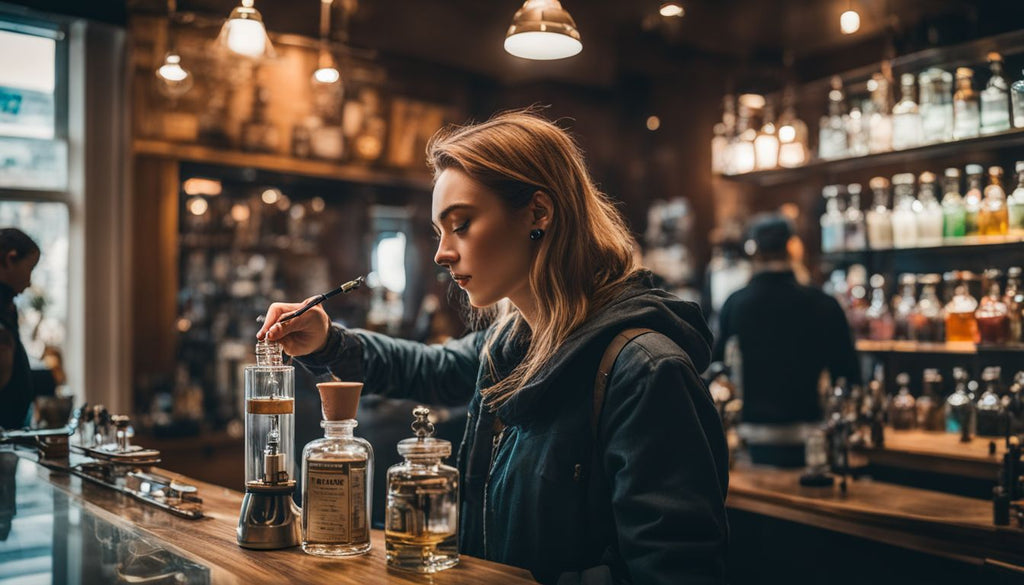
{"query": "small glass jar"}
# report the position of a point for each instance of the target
(960, 410)
(961, 324)
(903, 407)
(927, 322)
(993, 317)
(422, 520)
(991, 412)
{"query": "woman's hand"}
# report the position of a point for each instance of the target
(300, 336)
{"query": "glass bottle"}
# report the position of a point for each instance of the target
(903, 306)
(954, 214)
(972, 199)
(930, 416)
(857, 132)
(991, 412)
(421, 525)
(879, 218)
(993, 217)
(904, 220)
(936, 97)
(960, 410)
(929, 214)
(926, 319)
(1014, 300)
(992, 316)
(832, 132)
(766, 145)
(854, 230)
(857, 279)
(902, 407)
(880, 322)
(995, 98)
(741, 153)
(832, 222)
(906, 119)
(966, 116)
(337, 477)
(879, 116)
(1017, 100)
(961, 324)
(1015, 204)
(723, 130)
(793, 150)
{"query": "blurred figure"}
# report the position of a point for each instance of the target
(18, 257)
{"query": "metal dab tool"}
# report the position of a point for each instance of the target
(345, 288)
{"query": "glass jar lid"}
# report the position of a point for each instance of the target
(423, 444)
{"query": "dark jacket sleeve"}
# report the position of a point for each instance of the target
(398, 368)
(842, 355)
(667, 463)
(724, 331)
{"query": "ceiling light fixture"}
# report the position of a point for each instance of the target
(849, 21)
(542, 30)
(672, 10)
(326, 69)
(173, 80)
(244, 33)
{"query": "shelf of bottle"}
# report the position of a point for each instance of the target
(1000, 140)
(949, 347)
(947, 244)
(289, 165)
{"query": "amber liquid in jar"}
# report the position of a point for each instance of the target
(961, 327)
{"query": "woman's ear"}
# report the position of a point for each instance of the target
(540, 210)
(7, 259)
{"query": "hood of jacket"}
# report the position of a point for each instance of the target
(638, 305)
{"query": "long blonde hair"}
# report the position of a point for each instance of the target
(585, 256)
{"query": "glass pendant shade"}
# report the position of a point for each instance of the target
(244, 33)
(542, 30)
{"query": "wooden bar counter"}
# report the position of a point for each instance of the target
(202, 551)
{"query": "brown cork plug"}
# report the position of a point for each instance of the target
(340, 400)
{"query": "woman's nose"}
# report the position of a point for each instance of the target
(445, 255)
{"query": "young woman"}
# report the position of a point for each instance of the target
(526, 234)
(18, 257)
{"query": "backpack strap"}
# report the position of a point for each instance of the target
(604, 371)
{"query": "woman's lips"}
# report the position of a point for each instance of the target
(460, 279)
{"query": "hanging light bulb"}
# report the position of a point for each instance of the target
(849, 21)
(326, 70)
(672, 10)
(172, 79)
(542, 30)
(244, 33)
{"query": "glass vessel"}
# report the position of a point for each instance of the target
(991, 416)
(832, 222)
(857, 279)
(995, 98)
(857, 132)
(903, 306)
(855, 237)
(904, 220)
(993, 217)
(930, 415)
(972, 199)
(961, 324)
(337, 477)
(936, 98)
(1014, 300)
(960, 410)
(879, 115)
(954, 214)
(1017, 101)
(881, 326)
(832, 132)
(879, 218)
(992, 316)
(1015, 203)
(966, 116)
(927, 322)
(421, 525)
(793, 150)
(723, 136)
(766, 145)
(903, 407)
(906, 119)
(929, 212)
(741, 153)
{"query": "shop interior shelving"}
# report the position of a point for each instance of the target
(949, 347)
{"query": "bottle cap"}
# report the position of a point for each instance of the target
(952, 173)
(926, 177)
(907, 79)
(853, 188)
(974, 169)
(339, 400)
(903, 179)
(424, 444)
(879, 183)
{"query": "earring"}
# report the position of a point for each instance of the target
(536, 234)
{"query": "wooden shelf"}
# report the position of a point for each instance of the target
(1003, 140)
(949, 347)
(938, 452)
(947, 245)
(284, 164)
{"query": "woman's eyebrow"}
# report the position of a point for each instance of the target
(447, 210)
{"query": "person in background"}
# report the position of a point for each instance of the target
(633, 494)
(783, 334)
(18, 257)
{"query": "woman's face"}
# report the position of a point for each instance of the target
(485, 245)
(17, 272)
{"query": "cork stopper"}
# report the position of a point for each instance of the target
(340, 400)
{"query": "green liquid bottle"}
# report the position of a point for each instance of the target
(954, 214)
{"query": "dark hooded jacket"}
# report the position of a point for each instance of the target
(647, 506)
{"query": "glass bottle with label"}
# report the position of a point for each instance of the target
(879, 218)
(854, 232)
(1014, 300)
(903, 306)
(906, 118)
(1015, 204)
(903, 407)
(960, 410)
(881, 326)
(337, 474)
(422, 521)
(832, 132)
(936, 98)
(926, 319)
(879, 115)
(832, 222)
(960, 321)
(993, 218)
(930, 415)
(972, 199)
(966, 116)
(766, 145)
(1017, 101)
(954, 214)
(992, 316)
(929, 214)
(991, 416)
(995, 98)
(904, 220)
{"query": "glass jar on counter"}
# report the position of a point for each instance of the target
(926, 322)
(961, 324)
(992, 314)
(930, 415)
